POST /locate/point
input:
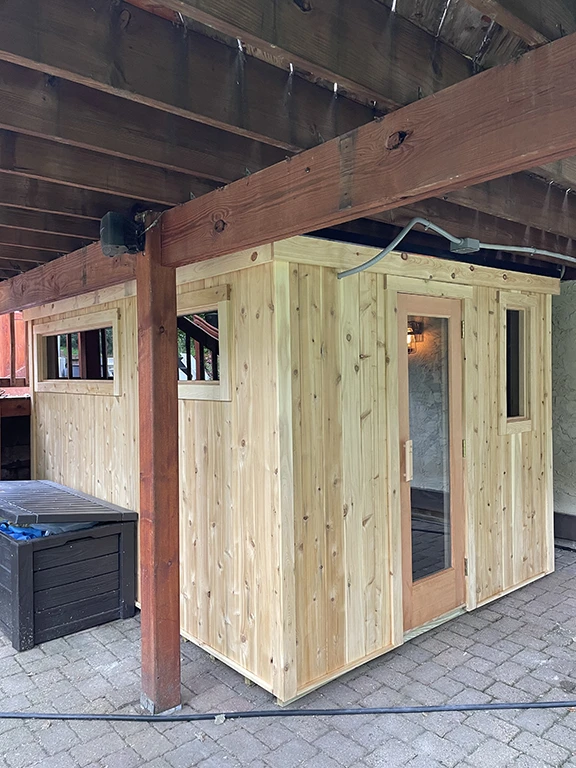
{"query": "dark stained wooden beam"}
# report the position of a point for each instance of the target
(159, 479)
(146, 59)
(25, 240)
(47, 160)
(561, 172)
(17, 267)
(502, 121)
(524, 199)
(22, 192)
(44, 160)
(80, 272)
(498, 12)
(369, 50)
(549, 19)
(64, 111)
(35, 221)
(27, 255)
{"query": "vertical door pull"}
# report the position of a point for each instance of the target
(408, 460)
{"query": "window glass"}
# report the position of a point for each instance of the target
(80, 355)
(516, 364)
(199, 347)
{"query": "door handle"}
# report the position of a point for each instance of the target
(409, 460)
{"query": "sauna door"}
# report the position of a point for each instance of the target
(431, 465)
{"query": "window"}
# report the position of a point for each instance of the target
(515, 364)
(77, 355)
(517, 313)
(80, 355)
(199, 347)
(203, 339)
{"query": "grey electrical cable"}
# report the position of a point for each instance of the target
(457, 245)
(397, 240)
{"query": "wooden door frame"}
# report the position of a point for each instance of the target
(437, 594)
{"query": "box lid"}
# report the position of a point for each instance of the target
(25, 502)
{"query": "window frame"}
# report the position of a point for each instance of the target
(205, 300)
(528, 305)
(79, 324)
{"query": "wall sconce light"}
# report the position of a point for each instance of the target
(415, 334)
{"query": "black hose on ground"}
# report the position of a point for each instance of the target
(220, 717)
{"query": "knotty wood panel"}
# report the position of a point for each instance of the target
(345, 516)
(230, 505)
(90, 443)
(343, 583)
(508, 475)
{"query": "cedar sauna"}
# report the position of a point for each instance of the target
(360, 459)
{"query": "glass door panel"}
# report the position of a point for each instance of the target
(429, 416)
(430, 420)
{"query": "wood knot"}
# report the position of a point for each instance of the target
(220, 225)
(254, 256)
(395, 140)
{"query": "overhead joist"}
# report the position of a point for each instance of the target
(376, 53)
(23, 192)
(502, 121)
(40, 159)
(49, 223)
(30, 256)
(465, 222)
(498, 12)
(7, 272)
(149, 60)
(560, 172)
(17, 267)
(80, 272)
(524, 199)
(535, 21)
(70, 113)
(26, 240)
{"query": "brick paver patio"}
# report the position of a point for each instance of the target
(521, 648)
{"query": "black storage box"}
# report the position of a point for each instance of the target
(63, 583)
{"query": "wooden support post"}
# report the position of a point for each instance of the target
(159, 487)
(12, 351)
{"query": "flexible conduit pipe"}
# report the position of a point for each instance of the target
(220, 717)
(470, 246)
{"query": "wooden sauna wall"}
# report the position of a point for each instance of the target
(230, 516)
(231, 573)
(341, 484)
(90, 442)
(509, 476)
(346, 451)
